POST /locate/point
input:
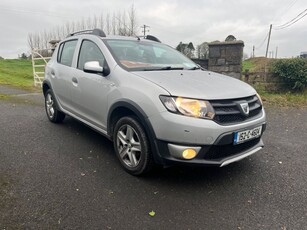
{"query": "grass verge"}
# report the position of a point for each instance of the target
(298, 100)
(17, 73)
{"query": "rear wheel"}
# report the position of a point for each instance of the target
(53, 114)
(131, 146)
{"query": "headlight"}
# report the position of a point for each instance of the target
(188, 107)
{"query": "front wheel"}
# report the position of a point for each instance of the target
(53, 114)
(131, 146)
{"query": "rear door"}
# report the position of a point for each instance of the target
(61, 73)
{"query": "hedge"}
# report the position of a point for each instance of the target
(293, 72)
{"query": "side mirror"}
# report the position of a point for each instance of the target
(92, 67)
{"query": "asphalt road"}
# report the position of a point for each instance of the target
(66, 176)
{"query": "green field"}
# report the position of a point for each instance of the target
(17, 73)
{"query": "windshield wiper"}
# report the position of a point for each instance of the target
(196, 67)
(164, 68)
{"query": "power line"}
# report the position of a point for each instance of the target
(291, 22)
(286, 9)
(290, 5)
(292, 19)
(262, 43)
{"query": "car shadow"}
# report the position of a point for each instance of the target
(175, 175)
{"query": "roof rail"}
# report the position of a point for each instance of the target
(152, 38)
(97, 32)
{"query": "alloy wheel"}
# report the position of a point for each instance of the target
(129, 146)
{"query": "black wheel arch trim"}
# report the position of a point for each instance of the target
(46, 82)
(143, 118)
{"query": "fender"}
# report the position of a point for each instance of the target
(143, 119)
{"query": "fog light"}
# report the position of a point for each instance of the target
(189, 154)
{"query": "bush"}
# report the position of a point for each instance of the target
(293, 72)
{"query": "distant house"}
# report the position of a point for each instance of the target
(303, 54)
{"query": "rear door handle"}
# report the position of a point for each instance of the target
(52, 73)
(74, 80)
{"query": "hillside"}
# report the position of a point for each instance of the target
(257, 64)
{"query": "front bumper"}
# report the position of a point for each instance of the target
(212, 142)
(221, 153)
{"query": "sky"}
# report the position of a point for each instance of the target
(172, 21)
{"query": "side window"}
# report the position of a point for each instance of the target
(89, 52)
(66, 52)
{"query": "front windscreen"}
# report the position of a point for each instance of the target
(147, 56)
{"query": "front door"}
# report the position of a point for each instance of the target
(90, 90)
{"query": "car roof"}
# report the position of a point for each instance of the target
(102, 35)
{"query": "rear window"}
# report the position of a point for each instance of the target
(66, 52)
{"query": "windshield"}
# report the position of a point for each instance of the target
(148, 56)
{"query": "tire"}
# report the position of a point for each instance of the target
(53, 114)
(132, 146)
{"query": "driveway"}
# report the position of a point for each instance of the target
(67, 176)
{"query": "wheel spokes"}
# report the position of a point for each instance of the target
(128, 146)
(49, 105)
(129, 133)
(122, 137)
(133, 161)
(136, 146)
(123, 152)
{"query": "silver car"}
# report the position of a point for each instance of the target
(156, 105)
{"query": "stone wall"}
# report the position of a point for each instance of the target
(202, 62)
(263, 80)
(226, 58)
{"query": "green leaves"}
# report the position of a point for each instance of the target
(293, 72)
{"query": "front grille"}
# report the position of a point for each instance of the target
(228, 111)
(221, 151)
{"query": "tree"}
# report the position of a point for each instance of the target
(118, 23)
(23, 56)
(203, 51)
(132, 21)
(1, 58)
(186, 49)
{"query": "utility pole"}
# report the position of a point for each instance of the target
(253, 51)
(267, 47)
(276, 52)
(144, 30)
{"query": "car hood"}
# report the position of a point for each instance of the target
(198, 84)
